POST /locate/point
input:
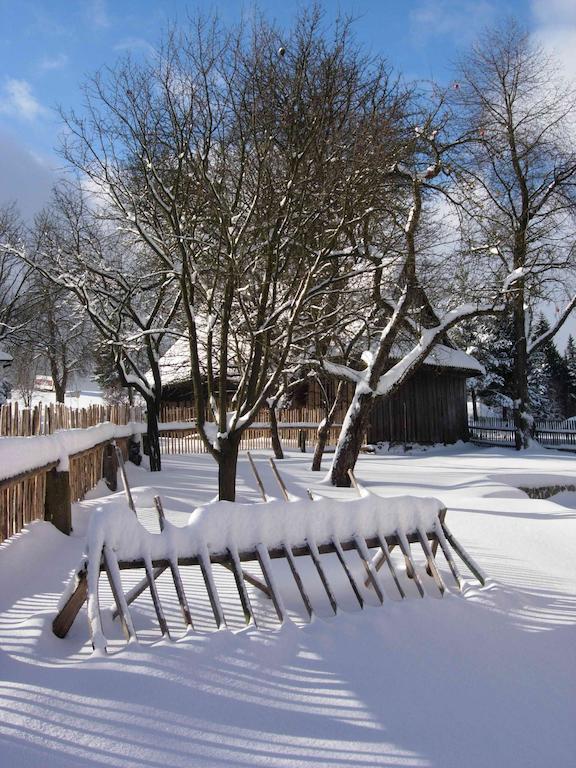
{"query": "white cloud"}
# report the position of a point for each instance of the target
(97, 13)
(17, 99)
(135, 44)
(556, 30)
(451, 18)
(54, 62)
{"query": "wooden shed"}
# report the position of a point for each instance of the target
(431, 407)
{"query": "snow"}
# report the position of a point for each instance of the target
(482, 678)
(21, 454)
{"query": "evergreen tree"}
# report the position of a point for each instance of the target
(489, 340)
(548, 382)
(570, 362)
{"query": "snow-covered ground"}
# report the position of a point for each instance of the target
(486, 677)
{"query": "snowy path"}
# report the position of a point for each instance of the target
(486, 678)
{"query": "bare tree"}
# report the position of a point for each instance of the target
(130, 302)
(404, 326)
(521, 181)
(243, 172)
(13, 275)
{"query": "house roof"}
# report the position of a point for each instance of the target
(175, 363)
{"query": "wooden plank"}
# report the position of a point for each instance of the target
(298, 580)
(431, 562)
(360, 546)
(405, 547)
(206, 568)
(279, 479)
(257, 476)
(176, 578)
(315, 555)
(386, 557)
(113, 573)
(463, 555)
(151, 578)
(124, 477)
(441, 539)
(349, 574)
(265, 565)
(249, 616)
(65, 618)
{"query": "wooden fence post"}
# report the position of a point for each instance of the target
(57, 504)
(110, 467)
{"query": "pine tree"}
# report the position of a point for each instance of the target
(547, 377)
(489, 340)
(570, 361)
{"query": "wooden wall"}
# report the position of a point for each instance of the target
(430, 408)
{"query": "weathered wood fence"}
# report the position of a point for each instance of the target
(297, 427)
(47, 419)
(548, 432)
(46, 492)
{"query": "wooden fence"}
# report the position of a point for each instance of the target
(46, 419)
(296, 426)
(174, 441)
(548, 432)
(44, 492)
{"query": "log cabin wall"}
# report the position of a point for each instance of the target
(430, 408)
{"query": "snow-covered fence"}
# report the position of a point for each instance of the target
(548, 432)
(41, 475)
(45, 419)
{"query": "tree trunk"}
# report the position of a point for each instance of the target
(152, 435)
(351, 438)
(227, 463)
(521, 413)
(474, 405)
(276, 444)
(321, 440)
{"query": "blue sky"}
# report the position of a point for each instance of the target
(47, 47)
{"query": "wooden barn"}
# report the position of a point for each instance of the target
(430, 408)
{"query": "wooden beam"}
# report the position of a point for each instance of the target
(349, 574)
(386, 557)
(257, 476)
(315, 555)
(113, 573)
(360, 546)
(65, 618)
(298, 580)
(463, 555)
(176, 578)
(405, 547)
(279, 479)
(431, 562)
(206, 568)
(265, 565)
(57, 500)
(249, 616)
(127, 490)
(441, 539)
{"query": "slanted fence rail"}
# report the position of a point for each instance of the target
(548, 432)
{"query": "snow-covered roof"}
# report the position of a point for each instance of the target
(5, 358)
(446, 357)
(175, 363)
